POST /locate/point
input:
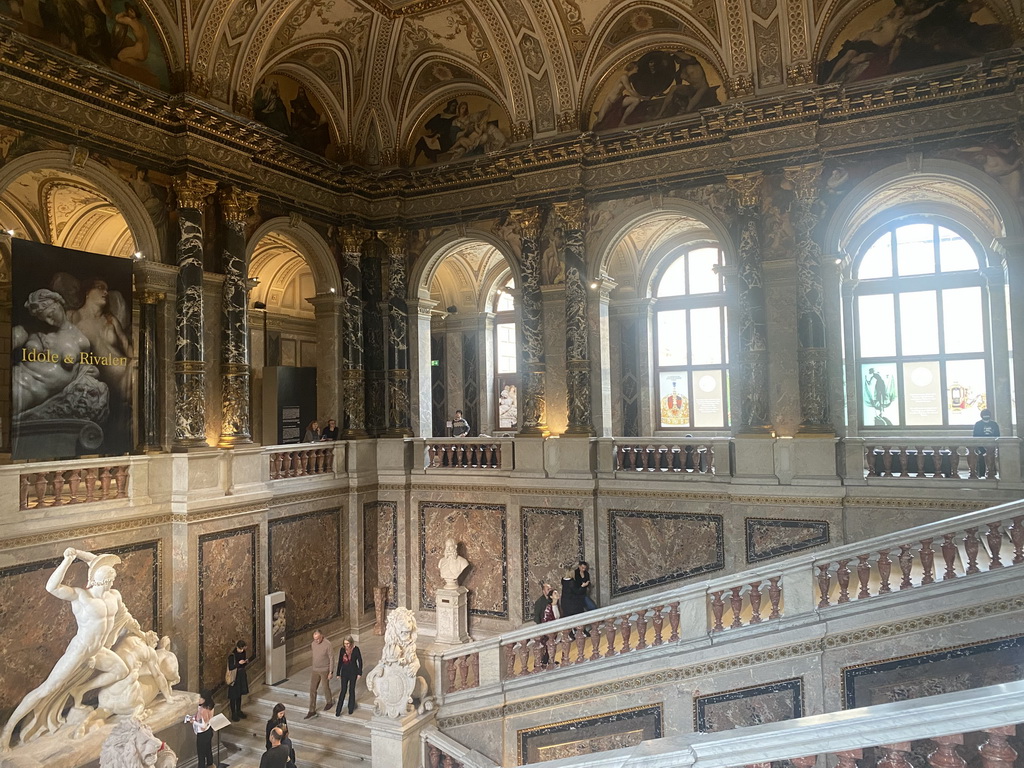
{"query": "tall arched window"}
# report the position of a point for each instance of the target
(921, 325)
(506, 358)
(691, 353)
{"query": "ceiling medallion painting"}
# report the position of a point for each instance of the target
(894, 36)
(659, 85)
(118, 34)
(468, 126)
(283, 104)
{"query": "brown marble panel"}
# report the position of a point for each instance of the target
(479, 531)
(228, 601)
(380, 550)
(653, 548)
(745, 707)
(305, 564)
(589, 735)
(770, 538)
(35, 627)
(552, 541)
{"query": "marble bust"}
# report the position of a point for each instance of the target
(451, 565)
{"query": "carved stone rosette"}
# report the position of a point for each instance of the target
(577, 337)
(753, 326)
(399, 412)
(353, 419)
(189, 365)
(533, 421)
(811, 329)
(235, 405)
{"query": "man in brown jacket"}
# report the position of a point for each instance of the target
(322, 663)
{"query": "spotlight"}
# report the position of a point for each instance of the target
(452, 310)
(330, 290)
(10, 232)
(593, 286)
(138, 256)
(259, 305)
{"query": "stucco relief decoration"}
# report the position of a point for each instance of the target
(464, 127)
(659, 85)
(894, 36)
(119, 35)
(285, 105)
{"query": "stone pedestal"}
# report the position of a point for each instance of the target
(452, 615)
(396, 743)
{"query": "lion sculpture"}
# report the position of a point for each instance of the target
(394, 682)
(131, 744)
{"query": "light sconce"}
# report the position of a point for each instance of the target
(138, 256)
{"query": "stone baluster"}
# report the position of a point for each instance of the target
(399, 414)
(755, 602)
(74, 483)
(848, 758)
(717, 610)
(824, 584)
(189, 362)
(863, 575)
(927, 557)
(474, 668)
(609, 631)
(510, 661)
(641, 629)
(995, 752)
(523, 651)
(581, 640)
(577, 332)
(736, 605)
(658, 622)
(994, 538)
(236, 207)
(595, 640)
(774, 596)
(353, 377)
(90, 484)
(895, 755)
(449, 668)
(673, 621)
(843, 577)
(625, 629)
(58, 489)
(121, 481)
(884, 571)
(463, 672)
(549, 643)
(971, 546)
(533, 414)
(949, 556)
(1017, 537)
(945, 754)
(906, 561)
(807, 761)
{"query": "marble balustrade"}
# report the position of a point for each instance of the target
(76, 485)
(440, 751)
(689, 458)
(469, 453)
(934, 458)
(309, 459)
(991, 714)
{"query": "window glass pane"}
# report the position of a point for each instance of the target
(965, 390)
(915, 250)
(673, 282)
(877, 260)
(955, 253)
(674, 399)
(672, 337)
(706, 344)
(876, 326)
(880, 398)
(506, 301)
(923, 389)
(702, 277)
(708, 399)
(506, 351)
(919, 323)
(962, 324)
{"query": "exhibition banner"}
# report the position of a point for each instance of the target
(72, 360)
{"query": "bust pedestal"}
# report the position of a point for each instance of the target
(452, 615)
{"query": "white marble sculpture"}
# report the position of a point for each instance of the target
(452, 564)
(131, 744)
(110, 654)
(394, 682)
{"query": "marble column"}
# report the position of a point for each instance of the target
(533, 416)
(577, 335)
(600, 364)
(1015, 285)
(752, 352)
(420, 313)
(328, 309)
(189, 363)
(236, 425)
(6, 312)
(812, 352)
(1000, 397)
(353, 379)
(375, 333)
(149, 361)
(399, 413)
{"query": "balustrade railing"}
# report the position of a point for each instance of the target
(76, 485)
(466, 453)
(972, 459)
(441, 751)
(690, 457)
(301, 461)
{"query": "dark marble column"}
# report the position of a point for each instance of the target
(533, 418)
(399, 414)
(5, 340)
(752, 354)
(149, 359)
(236, 426)
(353, 379)
(375, 333)
(577, 335)
(189, 364)
(812, 353)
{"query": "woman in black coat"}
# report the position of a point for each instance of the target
(571, 602)
(276, 718)
(238, 661)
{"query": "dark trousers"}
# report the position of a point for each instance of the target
(204, 748)
(236, 704)
(348, 684)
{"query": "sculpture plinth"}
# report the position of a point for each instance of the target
(452, 615)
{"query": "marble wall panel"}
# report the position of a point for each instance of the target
(653, 548)
(305, 564)
(552, 541)
(745, 707)
(769, 538)
(380, 551)
(930, 674)
(479, 531)
(228, 600)
(35, 627)
(589, 735)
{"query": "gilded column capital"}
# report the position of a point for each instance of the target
(237, 204)
(804, 179)
(395, 239)
(151, 297)
(571, 213)
(746, 187)
(351, 238)
(528, 221)
(193, 190)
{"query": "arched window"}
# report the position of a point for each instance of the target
(921, 326)
(506, 358)
(691, 353)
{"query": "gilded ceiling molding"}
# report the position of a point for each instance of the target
(384, 33)
(555, 63)
(739, 80)
(508, 65)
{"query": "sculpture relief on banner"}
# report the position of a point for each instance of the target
(285, 105)
(659, 85)
(118, 34)
(893, 36)
(468, 126)
(73, 361)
